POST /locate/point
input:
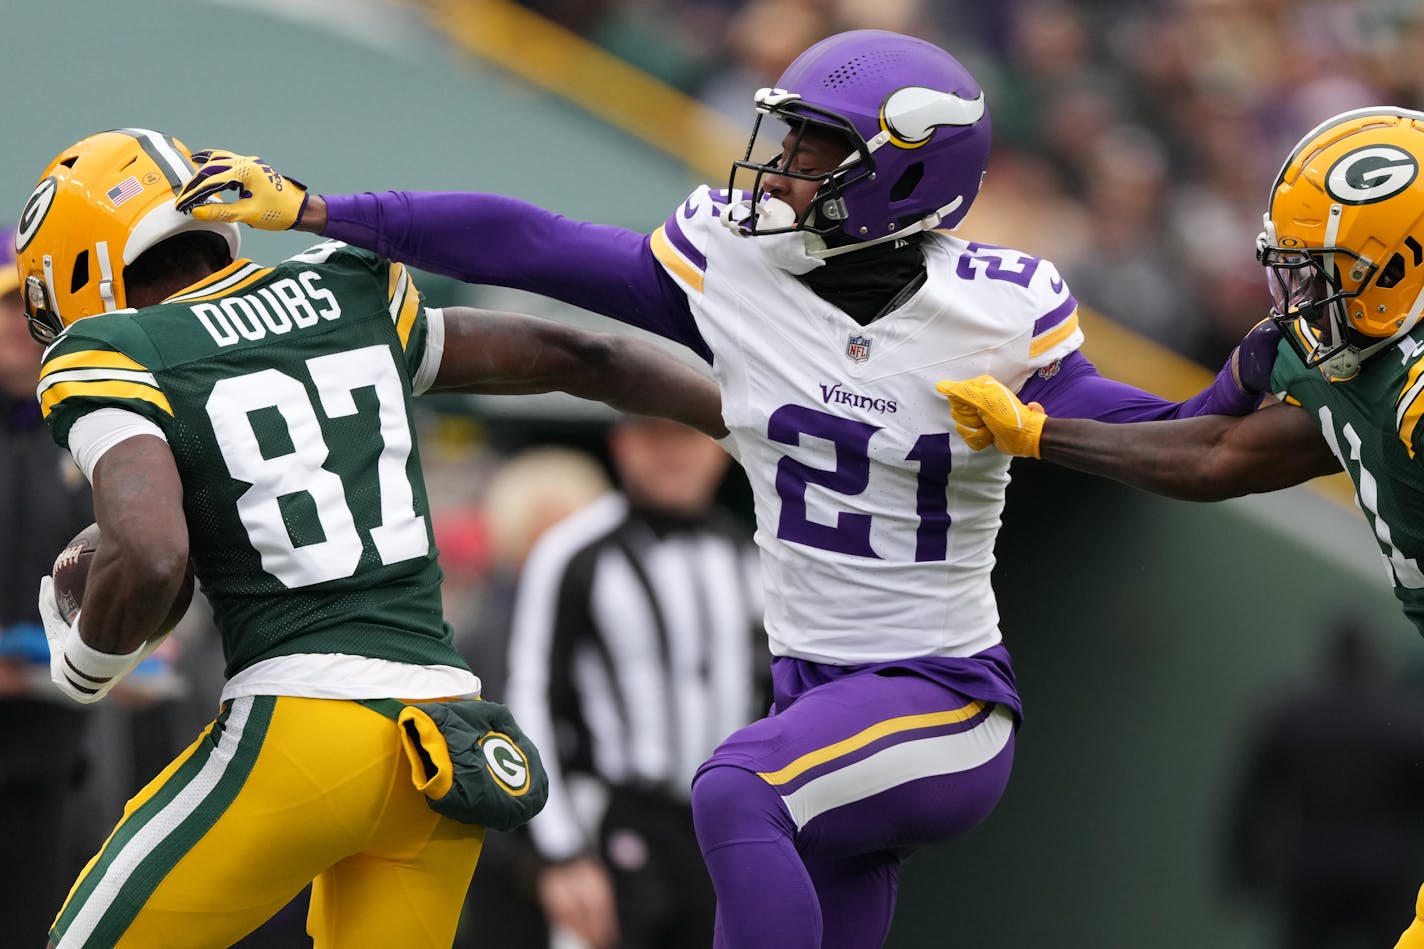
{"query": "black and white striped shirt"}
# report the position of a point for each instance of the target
(635, 648)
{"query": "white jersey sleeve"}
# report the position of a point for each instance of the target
(1027, 293)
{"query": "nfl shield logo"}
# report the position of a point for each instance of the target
(858, 348)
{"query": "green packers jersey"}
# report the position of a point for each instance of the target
(285, 395)
(1372, 424)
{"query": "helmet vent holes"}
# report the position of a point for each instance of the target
(1392, 273)
(868, 67)
(80, 277)
(842, 75)
(905, 185)
(1415, 249)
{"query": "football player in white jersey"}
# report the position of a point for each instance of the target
(828, 297)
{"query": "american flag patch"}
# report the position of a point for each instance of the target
(124, 190)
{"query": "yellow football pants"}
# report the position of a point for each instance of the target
(1413, 937)
(277, 792)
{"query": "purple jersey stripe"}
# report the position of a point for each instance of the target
(1055, 316)
(679, 240)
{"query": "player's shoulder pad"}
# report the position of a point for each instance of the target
(117, 332)
(102, 360)
(342, 258)
(339, 253)
(681, 243)
(1409, 403)
(1056, 329)
(1022, 288)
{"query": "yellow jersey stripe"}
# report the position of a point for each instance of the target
(1042, 344)
(221, 288)
(1410, 406)
(396, 279)
(405, 303)
(103, 389)
(91, 359)
(675, 262)
(1298, 327)
(877, 731)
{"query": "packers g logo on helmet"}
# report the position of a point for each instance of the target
(34, 213)
(99, 205)
(1343, 244)
(1371, 174)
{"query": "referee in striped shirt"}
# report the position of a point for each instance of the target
(635, 648)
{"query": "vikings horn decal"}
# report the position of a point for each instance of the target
(912, 114)
(1371, 174)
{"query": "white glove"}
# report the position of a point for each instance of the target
(82, 672)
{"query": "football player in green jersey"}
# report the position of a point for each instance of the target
(1344, 254)
(258, 420)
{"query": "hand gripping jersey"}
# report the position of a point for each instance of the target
(1372, 423)
(875, 521)
(284, 394)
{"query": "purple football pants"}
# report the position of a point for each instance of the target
(804, 816)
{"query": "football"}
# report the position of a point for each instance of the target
(71, 572)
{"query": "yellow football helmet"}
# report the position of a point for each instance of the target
(101, 203)
(1344, 239)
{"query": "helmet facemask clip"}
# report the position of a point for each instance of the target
(40, 313)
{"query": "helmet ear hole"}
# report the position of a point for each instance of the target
(905, 185)
(80, 276)
(1392, 273)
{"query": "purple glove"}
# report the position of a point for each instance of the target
(1254, 356)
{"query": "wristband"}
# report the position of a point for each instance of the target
(89, 671)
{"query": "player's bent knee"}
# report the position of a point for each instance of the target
(731, 803)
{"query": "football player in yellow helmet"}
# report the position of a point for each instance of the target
(1343, 250)
(98, 207)
(1344, 239)
(212, 402)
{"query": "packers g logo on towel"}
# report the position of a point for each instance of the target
(507, 764)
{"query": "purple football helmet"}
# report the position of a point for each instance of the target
(916, 123)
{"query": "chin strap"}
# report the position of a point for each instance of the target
(799, 251)
(1345, 364)
(927, 223)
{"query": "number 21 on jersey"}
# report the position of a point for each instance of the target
(850, 534)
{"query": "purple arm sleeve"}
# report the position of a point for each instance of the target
(492, 239)
(1079, 391)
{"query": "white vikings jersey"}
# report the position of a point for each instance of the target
(876, 522)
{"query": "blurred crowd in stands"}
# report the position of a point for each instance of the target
(1135, 140)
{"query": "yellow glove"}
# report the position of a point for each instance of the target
(986, 413)
(265, 199)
